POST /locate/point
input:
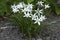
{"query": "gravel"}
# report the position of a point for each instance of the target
(11, 32)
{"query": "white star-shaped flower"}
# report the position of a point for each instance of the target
(14, 8)
(37, 21)
(47, 6)
(42, 18)
(20, 5)
(30, 6)
(40, 3)
(27, 14)
(34, 16)
(39, 11)
(25, 10)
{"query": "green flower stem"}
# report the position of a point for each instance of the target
(30, 38)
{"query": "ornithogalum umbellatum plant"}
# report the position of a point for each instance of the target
(29, 16)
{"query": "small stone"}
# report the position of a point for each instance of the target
(39, 39)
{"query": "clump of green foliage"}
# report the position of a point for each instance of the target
(26, 25)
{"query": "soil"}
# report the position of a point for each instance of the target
(11, 32)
